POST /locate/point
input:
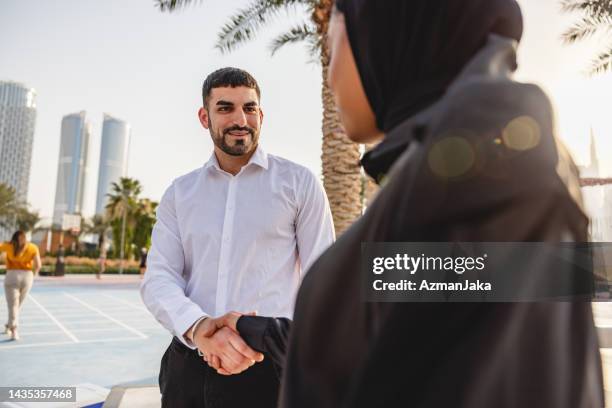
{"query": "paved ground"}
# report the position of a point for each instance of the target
(603, 320)
(79, 330)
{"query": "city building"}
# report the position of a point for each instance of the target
(113, 157)
(591, 170)
(17, 122)
(597, 195)
(72, 166)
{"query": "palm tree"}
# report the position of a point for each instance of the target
(9, 206)
(15, 213)
(342, 176)
(596, 19)
(122, 203)
(144, 221)
(99, 225)
(26, 219)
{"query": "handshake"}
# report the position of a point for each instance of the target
(221, 345)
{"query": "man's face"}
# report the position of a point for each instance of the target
(234, 118)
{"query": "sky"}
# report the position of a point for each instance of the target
(128, 59)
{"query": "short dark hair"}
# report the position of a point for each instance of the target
(225, 77)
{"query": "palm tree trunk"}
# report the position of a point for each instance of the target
(340, 156)
(370, 187)
(122, 250)
(341, 170)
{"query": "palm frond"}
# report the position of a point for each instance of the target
(586, 27)
(299, 33)
(244, 25)
(603, 62)
(591, 8)
(172, 5)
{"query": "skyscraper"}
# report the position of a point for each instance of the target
(113, 157)
(17, 120)
(597, 197)
(591, 170)
(72, 167)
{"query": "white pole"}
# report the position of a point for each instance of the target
(123, 222)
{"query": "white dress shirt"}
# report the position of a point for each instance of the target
(234, 243)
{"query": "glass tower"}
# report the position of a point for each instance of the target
(113, 157)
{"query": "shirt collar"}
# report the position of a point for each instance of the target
(259, 158)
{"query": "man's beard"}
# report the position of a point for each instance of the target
(240, 147)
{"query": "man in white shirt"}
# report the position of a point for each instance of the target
(235, 235)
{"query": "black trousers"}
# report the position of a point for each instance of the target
(185, 380)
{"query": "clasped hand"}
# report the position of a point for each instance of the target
(222, 347)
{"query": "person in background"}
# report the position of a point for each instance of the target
(21, 257)
(101, 262)
(434, 80)
(143, 261)
(60, 262)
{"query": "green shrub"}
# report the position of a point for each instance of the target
(85, 269)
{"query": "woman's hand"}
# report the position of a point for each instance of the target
(229, 320)
(222, 347)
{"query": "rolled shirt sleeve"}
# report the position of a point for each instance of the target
(163, 287)
(314, 225)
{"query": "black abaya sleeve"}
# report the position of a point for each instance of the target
(268, 335)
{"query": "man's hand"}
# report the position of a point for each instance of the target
(223, 348)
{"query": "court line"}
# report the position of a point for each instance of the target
(93, 320)
(63, 343)
(98, 329)
(102, 307)
(136, 332)
(34, 333)
(73, 315)
(129, 312)
(126, 302)
(135, 322)
(27, 324)
(36, 319)
(146, 326)
(61, 326)
(114, 328)
(84, 314)
(22, 313)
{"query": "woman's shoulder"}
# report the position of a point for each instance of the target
(32, 247)
(499, 98)
(489, 138)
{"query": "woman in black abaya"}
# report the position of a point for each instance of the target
(435, 75)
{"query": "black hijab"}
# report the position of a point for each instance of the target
(407, 58)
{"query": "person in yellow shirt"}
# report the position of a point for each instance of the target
(21, 256)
